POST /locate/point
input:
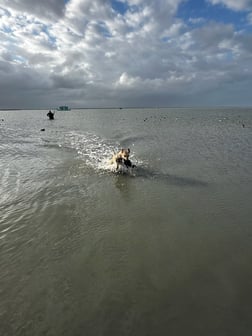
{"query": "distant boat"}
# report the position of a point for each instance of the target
(63, 108)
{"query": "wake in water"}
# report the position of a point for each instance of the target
(95, 151)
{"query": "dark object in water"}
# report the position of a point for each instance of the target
(42, 129)
(50, 115)
(128, 163)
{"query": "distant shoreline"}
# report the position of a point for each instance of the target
(11, 109)
(129, 108)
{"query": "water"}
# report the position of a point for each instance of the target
(165, 250)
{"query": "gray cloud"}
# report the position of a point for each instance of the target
(47, 9)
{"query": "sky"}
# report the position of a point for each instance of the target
(125, 53)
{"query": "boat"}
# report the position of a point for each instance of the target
(63, 108)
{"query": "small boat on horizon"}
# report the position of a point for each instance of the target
(63, 108)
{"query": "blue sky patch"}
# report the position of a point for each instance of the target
(192, 10)
(120, 7)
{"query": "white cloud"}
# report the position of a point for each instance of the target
(90, 54)
(174, 30)
(249, 18)
(197, 20)
(234, 4)
(126, 80)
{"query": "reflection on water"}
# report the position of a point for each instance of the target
(170, 178)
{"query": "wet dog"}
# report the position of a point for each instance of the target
(121, 159)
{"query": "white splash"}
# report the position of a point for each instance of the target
(95, 151)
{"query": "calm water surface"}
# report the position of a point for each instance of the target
(166, 250)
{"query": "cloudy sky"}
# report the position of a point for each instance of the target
(125, 53)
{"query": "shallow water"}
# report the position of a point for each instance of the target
(165, 250)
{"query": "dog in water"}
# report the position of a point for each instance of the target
(121, 159)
